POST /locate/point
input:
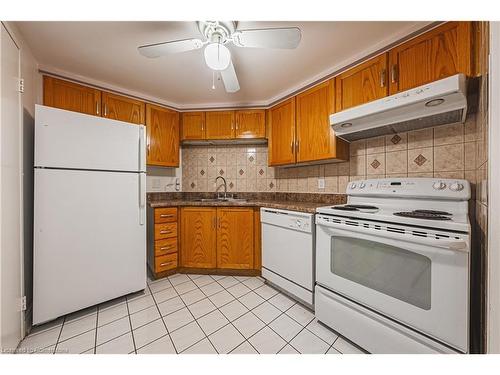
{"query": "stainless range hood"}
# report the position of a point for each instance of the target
(437, 103)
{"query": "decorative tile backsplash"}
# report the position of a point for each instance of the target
(447, 151)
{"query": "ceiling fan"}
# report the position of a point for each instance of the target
(215, 36)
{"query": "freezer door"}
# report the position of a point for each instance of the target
(65, 139)
(89, 239)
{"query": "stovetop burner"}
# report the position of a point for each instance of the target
(425, 214)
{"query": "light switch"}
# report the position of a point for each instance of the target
(321, 183)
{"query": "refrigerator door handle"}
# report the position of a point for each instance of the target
(142, 197)
(142, 149)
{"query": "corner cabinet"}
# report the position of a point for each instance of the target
(162, 128)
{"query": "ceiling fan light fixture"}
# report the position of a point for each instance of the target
(217, 56)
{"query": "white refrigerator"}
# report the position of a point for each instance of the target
(89, 211)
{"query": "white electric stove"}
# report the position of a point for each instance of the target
(392, 265)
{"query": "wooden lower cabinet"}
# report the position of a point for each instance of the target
(162, 240)
(198, 237)
(235, 238)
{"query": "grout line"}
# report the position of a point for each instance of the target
(130, 323)
(59, 336)
(96, 327)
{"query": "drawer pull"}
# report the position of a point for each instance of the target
(166, 247)
(165, 215)
(166, 263)
(165, 231)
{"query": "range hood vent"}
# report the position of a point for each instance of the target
(438, 103)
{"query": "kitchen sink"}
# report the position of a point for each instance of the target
(236, 200)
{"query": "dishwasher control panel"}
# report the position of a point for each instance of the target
(299, 221)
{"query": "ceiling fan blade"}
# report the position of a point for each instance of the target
(283, 38)
(230, 79)
(166, 48)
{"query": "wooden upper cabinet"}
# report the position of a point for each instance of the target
(362, 84)
(235, 238)
(71, 96)
(315, 137)
(122, 108)
(281, 133)
(162, 127)
(439, 53)
(220, 124)
(193, 125)
(198, 237)
(250, 123)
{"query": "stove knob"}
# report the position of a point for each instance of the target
(353, 186)
(456, 186)
(299, 223)
(439, 185)
(362, 185)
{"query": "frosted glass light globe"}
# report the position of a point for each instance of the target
(217, 56)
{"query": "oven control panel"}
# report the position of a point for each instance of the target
(412, 187)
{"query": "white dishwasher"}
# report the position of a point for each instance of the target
(288, 251)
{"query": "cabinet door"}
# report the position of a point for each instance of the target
(193, 125)
(362, 84)
(71, 96)
(220, 124)
(122, 108)
(315, 137)
(235, 238)
(250, 124)
(162, 127)
(281, 133)
(439, 53)
(198, 237)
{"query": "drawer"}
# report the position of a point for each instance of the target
(165, 215)
(165, 262)
(167, 246)
(167, 230)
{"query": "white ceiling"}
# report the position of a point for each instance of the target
(107, 52)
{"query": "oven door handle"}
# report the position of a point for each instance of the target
(451, 245)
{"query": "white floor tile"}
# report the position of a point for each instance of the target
(238, 290)
(120, 345)
(161, 346)
(212, 322)
(211, 289)
(233, 310)
(286, 327)
(226, 339)
(281, 301)
(203, 280)
(185, 287)
(300, 314)
(253, 283)
(345, 347)
(288, 350)
(148, 333)
(201, 308)
(164, 294)
(112, 303)
(267, 342)
(139, 294)
(39, 341)
(77, 344)
(244, 348)
(333, 351)
(187, 336)
(76, 327)
(228, 281)
(81, 314)
(202, 347)
(110, 314)
(193, 296)
(308, 343)
(177, 319)
(251, 300)
(193, 276)
(218, 277)
(323, 332)
(265, 291)
(47, 326)
(145, 316)
(113, 329)
(170, 306)
(248, 324)
(140, 303)
(178, 279)
(221, 298)
(242, 278)
(266, 312)
(159, 285)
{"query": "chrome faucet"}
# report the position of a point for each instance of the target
(225, 186)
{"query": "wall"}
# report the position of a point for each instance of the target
(448, 151)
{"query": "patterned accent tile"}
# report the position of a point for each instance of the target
(261, 171)
(375, 164)
(221, 172)
(212, 159)
(241, 172)
(202, 172)
(420, 160)
(396, 139)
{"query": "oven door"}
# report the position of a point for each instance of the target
(420, 282)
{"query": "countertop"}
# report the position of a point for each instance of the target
(293, 202)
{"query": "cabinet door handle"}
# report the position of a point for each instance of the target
(166, 263)
(165, 215)
(105, 110)
(97, 108)
(237, 125)
(291, 146)
(214, 223)
(165, 231)
(394, 73)
(297, 146)
(382, 78)
(166, 247)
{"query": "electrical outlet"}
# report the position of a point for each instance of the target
(321, 183)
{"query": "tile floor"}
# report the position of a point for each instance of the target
(191, 314)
